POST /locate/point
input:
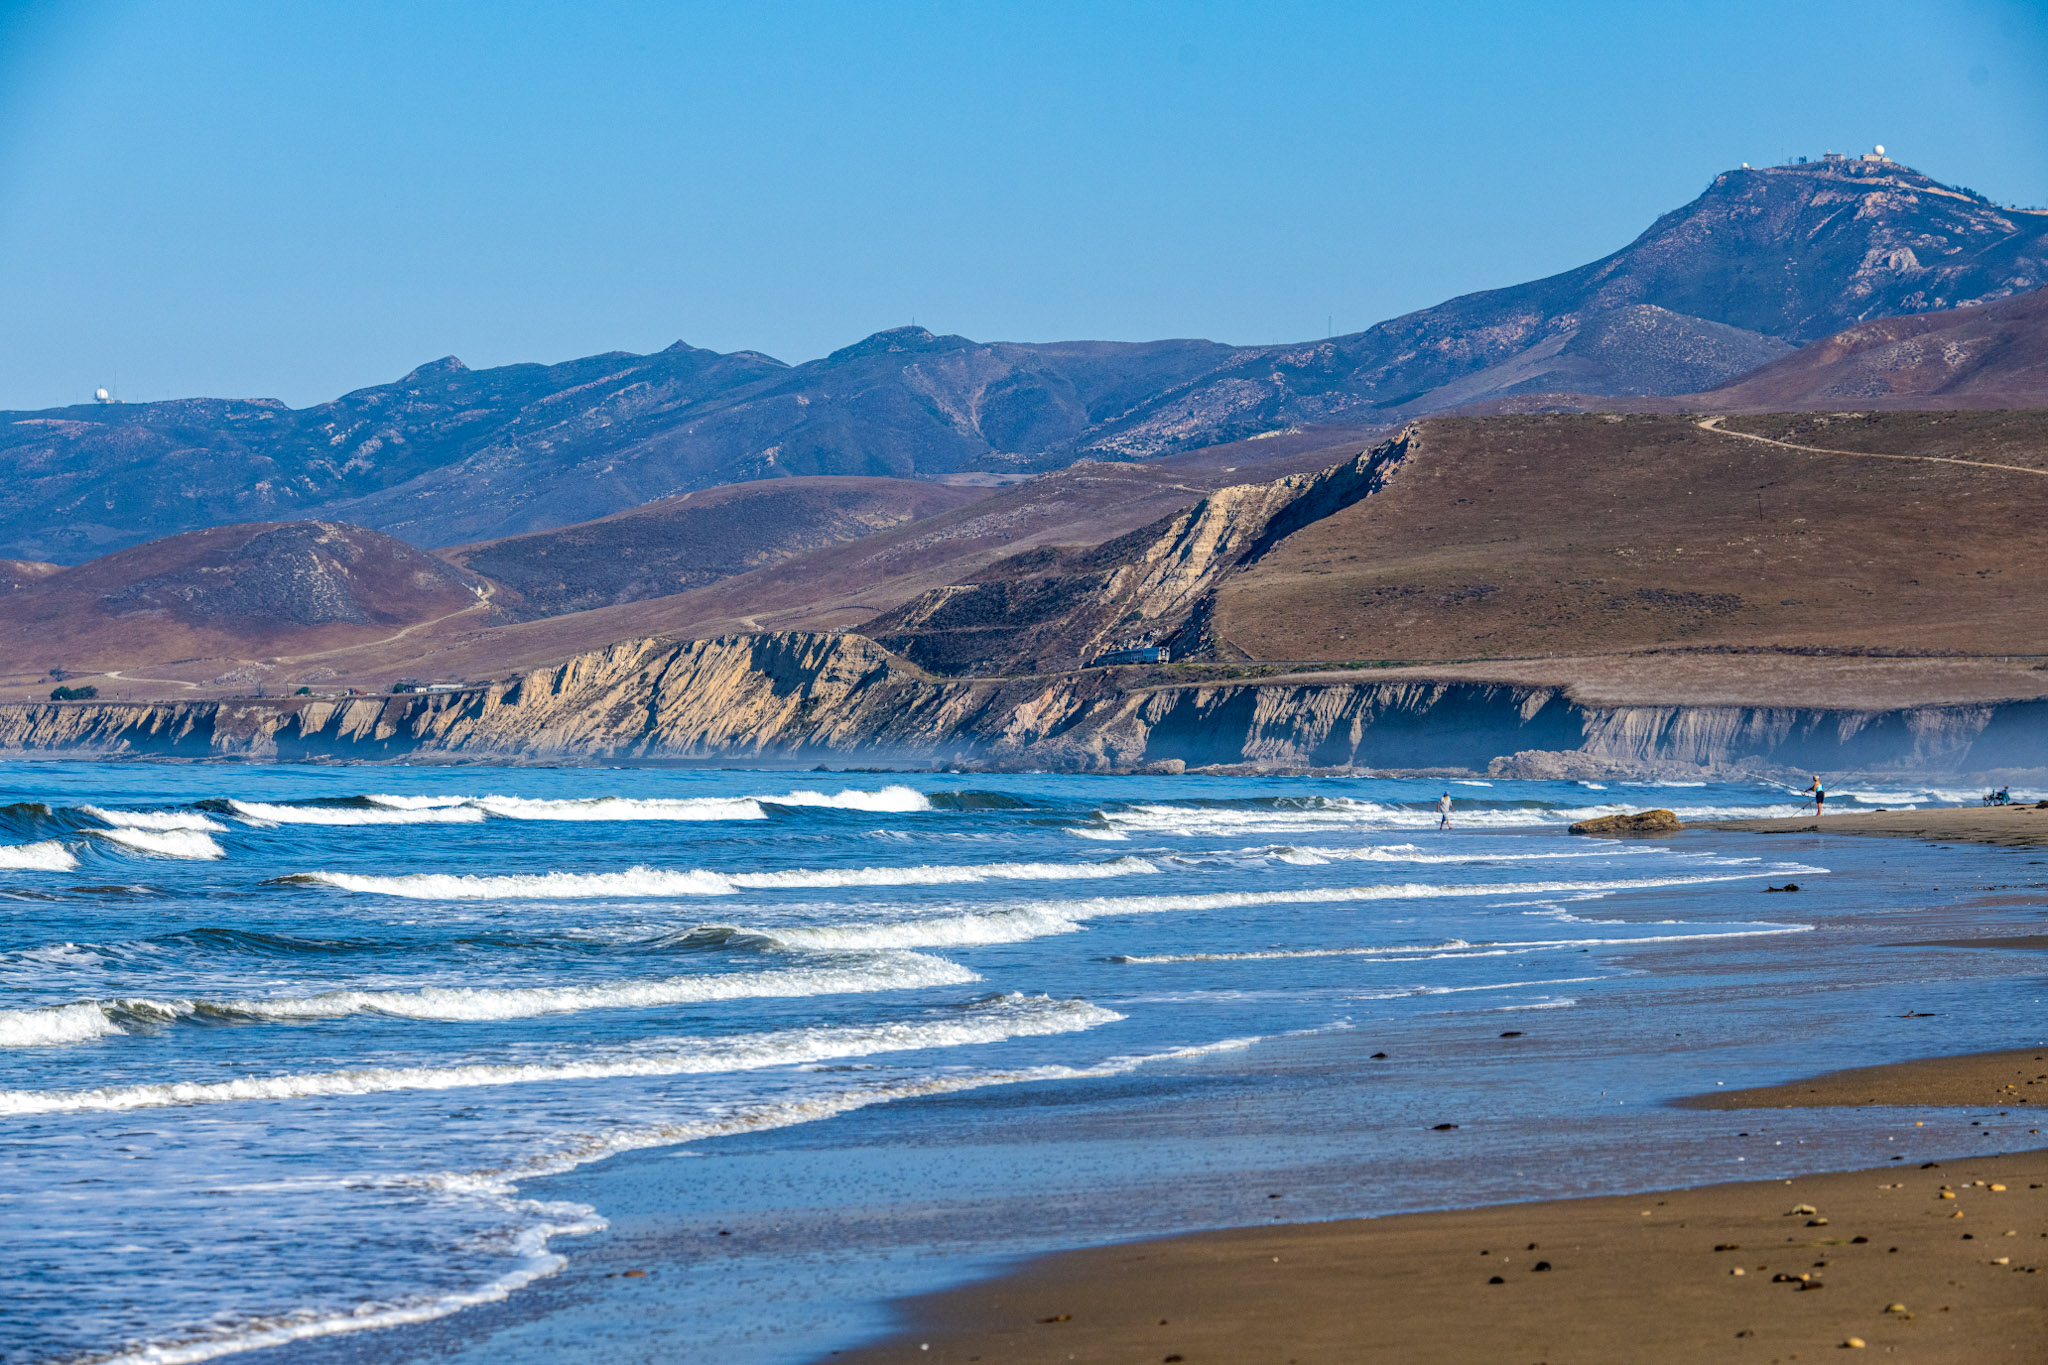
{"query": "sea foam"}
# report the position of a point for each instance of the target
(654, 881)
(468, 1004)
(1012, 1017)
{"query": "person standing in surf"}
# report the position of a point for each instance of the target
(1820, 796)
(1443, 811)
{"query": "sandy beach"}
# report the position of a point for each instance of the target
(1936, 1261)
(2014, 826)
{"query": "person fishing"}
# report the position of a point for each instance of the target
(1820, 796)
(1443, 811)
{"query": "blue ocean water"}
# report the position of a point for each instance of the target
(288, 1053)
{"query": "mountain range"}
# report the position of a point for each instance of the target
(1763, 262)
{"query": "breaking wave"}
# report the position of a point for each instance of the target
(888, 800)
(55, 1024)
(45, 856)
(654, 881)
(473, 1004)
(156, 819)
(173, 842)
(1007, 1017)
(267, 813)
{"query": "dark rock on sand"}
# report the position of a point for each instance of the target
(1642, 822)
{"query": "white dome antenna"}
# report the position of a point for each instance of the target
(1879, 149)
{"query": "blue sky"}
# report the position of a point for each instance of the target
(293, 200)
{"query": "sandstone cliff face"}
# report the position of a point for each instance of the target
(1051, 609)
(841, 698)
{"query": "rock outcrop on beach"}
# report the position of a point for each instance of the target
(807, 698)
(1642, 822)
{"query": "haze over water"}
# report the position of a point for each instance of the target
(287, 1051)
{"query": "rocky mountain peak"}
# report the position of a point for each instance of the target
(434, 369)
(894, 340)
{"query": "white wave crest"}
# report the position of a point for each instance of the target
(943, 876)
(163, 843)
(55, 1025)
(1011, 1018)
(1411, 853)
(621, 808)
(1229, 900)
(447, 886)
(1460, 948)
(1346, 812)
(46, 855)
(265, 813)
(156, 819)
(905, 971)
(888, 800)
(654, 881)
(938, 931)
(892, 799)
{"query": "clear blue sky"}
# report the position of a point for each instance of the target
(292, 200)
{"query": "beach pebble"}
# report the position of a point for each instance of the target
(1545, 1265)
(1798, 1209)
(1999, 1189)
(1443, 1128)
(1816, 1222)
(1853, 1344)
(1496, 1280)
(1738, 1271)
(1895, 1308)
(2001, 1260)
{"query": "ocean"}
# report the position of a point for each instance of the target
(373, 1061)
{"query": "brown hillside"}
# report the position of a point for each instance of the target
(1517, 536)
(691, 541)
(231, 595)
(1994, 355)
(837, 586)
(18, 575)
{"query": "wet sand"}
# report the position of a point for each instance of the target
(1960, 1245)
(2014, 826)
(1981, 1080)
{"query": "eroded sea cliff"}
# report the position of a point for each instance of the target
(841, 698)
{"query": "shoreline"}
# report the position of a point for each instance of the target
(2014, 826)
(1679, 1274)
